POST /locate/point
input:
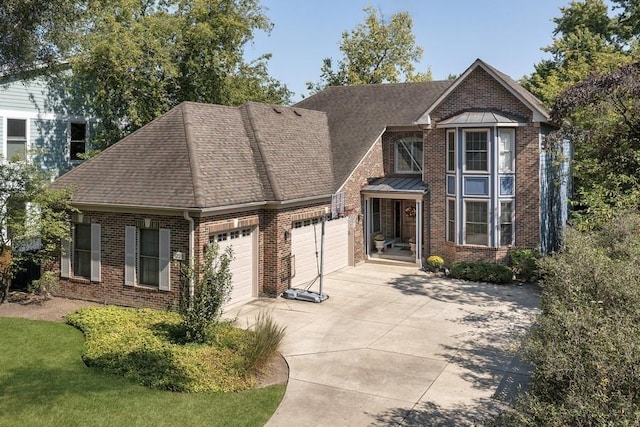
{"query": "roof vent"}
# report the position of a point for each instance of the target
(277, 110)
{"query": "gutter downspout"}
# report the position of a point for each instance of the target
(191, 253)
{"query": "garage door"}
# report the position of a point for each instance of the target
(243, 267)
(305, 242)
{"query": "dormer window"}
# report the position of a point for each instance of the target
(408, 156)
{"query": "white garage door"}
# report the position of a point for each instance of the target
(305, 242)
(243, 267)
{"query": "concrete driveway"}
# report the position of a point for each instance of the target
(397, 346)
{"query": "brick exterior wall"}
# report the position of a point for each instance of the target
(111, 289)
(371, 166)
(481, 91)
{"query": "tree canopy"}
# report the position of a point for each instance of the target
(586, 40)
(376, 51)
(132, 60)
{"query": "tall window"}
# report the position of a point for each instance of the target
(82, 250)
(505, 137)
(149, 257)
(476, 151)
(506, 223)
(376, 223)
(477, 223)
(78, 143)
(451, 220)
(408, 156)
(451, 151)
(16, 139)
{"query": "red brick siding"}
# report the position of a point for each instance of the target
(371, 166)
(111, 289)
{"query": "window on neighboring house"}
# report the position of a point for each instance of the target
(506, 223)
(16, 139)
(476, 151)
(376, 223)
(78, 144)
(147, 257)
(451, 151)
(81, 255)
(506, 145)
(451, 220)
(408, 156)
(476, 223)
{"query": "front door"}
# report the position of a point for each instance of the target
(408, 215)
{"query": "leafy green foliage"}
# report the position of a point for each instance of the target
(524, 263)
(601, 115)
(376, 51)
(263, 342)
(585, 346)
(586, 40)
(132, 60)
(481, 272)
(141, 345)
(212, 289)
(43, 382)
(35, 217)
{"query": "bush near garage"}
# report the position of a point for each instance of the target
(147, 346)
(585, 346)
(481, 272)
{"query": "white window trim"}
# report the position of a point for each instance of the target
(396, 157)
(464, 224)
(5, 128)
(477, 196)
(513, 221)
(464, 150)
(448, 238)
(512, 151)
(67, 255)
(453, 167)
(132, 254)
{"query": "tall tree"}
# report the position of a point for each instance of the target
(132, 60)
(376, 51)
(601, 116)
(586, 40)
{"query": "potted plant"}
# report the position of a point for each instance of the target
(378, 239)
(435, 263)
(412, 244)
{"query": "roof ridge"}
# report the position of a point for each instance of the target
(266, 161)
(194, 163)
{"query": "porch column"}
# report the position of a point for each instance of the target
(367, 226)
(419, 234)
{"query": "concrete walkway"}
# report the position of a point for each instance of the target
(397, 346)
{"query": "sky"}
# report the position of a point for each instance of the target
(507, 34)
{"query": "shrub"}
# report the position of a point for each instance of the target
(138, 345)
(481, 272)
(212, 289)
(524, 263)
(264, 342)
(585, 346)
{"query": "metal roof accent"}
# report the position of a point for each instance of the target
(395, 185)
(478, 117)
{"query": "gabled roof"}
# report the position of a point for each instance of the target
(199, 156)
(358, 115)
(539, 112)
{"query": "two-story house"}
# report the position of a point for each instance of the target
(451, 168)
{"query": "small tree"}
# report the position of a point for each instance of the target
(211, 290)
(33, 219)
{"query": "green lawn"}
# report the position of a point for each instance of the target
(43, 382)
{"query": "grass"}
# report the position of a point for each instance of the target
(43, 382)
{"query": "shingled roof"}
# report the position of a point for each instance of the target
(200, 156)
(358, 115)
